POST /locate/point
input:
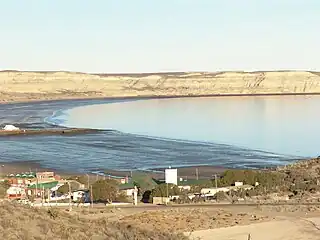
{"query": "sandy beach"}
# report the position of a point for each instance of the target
(204, 172)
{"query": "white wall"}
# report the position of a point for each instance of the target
(213, 190)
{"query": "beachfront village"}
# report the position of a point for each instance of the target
(48, 188)
(289, 183)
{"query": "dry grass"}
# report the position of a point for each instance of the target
(27, 223)
(192, 219)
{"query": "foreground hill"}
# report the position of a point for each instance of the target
(22, 86)
(22, 222)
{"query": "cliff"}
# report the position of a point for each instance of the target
(22, 86)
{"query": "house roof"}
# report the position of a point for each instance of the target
(144, 181)
(193, 182)
(46, 185)
(125, 186)
(22, 175)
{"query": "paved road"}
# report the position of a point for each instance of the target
(210, 205)
(196, 205)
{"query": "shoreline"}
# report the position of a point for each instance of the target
(59, 98)
(190, 172)
(184, 172)
(48, 131)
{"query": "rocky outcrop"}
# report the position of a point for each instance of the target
(15, 85)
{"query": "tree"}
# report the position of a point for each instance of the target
(65, 188)
(105, 190)
(164, 190)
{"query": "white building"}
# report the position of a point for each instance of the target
(171, 175)
(79, 194)
(213, 191)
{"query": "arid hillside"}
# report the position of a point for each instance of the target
(22, 222)
(23, 86)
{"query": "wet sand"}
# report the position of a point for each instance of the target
(27, 166)
(48, 131)
(204, 172)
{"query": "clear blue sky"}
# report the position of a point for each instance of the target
(159, 35)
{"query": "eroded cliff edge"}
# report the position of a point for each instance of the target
(23, 86)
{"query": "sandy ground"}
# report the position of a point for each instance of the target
(290, 229)
(280, 223)
(236, 223)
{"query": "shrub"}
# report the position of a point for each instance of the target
(164, 189)
(23, 222)
(105, 190)
(4, 186)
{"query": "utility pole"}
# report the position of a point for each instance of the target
(197, 173)
(36, 185)
(43, 195)
(70, 206)
(91, 196)
(216, 180)
(88, 180)
(167, 193)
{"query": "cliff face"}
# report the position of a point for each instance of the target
(16, 85)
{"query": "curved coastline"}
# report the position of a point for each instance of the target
(112, 149)
(60, 123)
(56, 86)
(55, 120)
(203, 143)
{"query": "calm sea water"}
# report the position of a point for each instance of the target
(143, 134)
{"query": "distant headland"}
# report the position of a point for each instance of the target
(16, 86)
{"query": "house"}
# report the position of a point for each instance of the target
(187, 184)
(45, 176)
(127, 189)
(213, 191)
(15, 192)
(78, 195)
(20, 179)
(40, 189)
(143, 181)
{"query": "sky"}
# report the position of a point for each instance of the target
(121, 36)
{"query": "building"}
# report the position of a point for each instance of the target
(143, 181)
(40, 189)
(212, 191)
(186, 185)
(79, 195)
(160, 200)
(20, 179)
(45, 176)
(127, 189)
(171, 175)
(15, 192)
